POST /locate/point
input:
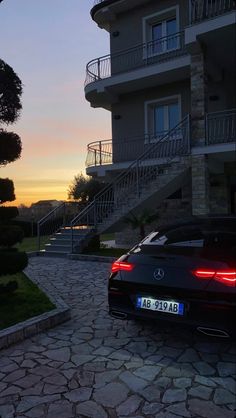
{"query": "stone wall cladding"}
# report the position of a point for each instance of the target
(219, 199)
(198, 96)
(37, 324)
(200, 185)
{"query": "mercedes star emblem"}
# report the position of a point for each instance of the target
(159, 274)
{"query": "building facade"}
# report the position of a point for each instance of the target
(169, 82)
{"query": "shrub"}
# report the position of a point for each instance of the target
(94, 244)
(7, 191)
(27, 226)
(7, 213)
(12, 262)
(10, 235)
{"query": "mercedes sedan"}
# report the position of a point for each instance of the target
(184, 274)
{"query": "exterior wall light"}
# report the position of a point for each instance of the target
(115, 34)
(117, 117)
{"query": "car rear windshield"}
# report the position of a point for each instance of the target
(208, 234)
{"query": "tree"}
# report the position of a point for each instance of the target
(10, 147)
(10, 94)
(7, 193)
(84, 188)
(139, 221)
(11, 260)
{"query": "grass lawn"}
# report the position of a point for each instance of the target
(31, 243)
(107, 237)
(27, 301)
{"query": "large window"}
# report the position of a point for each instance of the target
(165, 117)
(162, 116)
(161, 31)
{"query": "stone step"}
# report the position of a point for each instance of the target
(44, 253)
(75, 231)
(60, 241)
(59, 248)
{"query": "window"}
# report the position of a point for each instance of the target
(162, 116)
(161, 31)
(208, 235)
(163, 36)
(166, 117)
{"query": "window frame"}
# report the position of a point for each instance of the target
(154, 19)
(149, 105)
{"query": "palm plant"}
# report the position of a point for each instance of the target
(140, 221)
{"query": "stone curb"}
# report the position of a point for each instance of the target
(39, 323)
(81, 257)
(85, 257)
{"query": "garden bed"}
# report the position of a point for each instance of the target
(24, 303)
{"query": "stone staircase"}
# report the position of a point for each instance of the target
(168, 181)
(60, 242)
(154, 176)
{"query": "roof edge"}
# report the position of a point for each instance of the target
(100, 5)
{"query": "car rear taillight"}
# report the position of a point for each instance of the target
(121, 266)
(227, 277)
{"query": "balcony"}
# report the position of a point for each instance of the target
(220, 130)
(213, 23)
(147, 65)
(140, 56)
(221, 127)
(207, 9)
(119, 154)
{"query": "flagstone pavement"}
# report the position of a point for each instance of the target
(97, 366)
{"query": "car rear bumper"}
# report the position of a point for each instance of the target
(216, 315)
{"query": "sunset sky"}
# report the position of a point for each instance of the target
(48, 43)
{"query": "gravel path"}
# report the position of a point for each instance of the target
(97, 366)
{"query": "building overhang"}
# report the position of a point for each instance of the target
(218, 153)
(228, 149)
(103, 93)
(116, 168)
(206, 27)
(105, 11)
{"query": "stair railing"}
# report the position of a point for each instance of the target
(55, 219)
(138, 175)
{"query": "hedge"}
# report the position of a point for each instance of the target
(7, 213)
(12, 262)
(10, 235)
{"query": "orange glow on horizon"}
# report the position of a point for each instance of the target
(30, 195)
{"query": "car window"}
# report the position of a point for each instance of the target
(198, 236)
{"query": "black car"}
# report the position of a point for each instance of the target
(184, 274)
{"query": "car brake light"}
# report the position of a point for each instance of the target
(204, 274)
(227, 277)
(121, 266)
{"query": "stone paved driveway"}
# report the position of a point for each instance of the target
(96, 366)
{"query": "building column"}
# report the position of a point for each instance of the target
(198, 95)
(200, 185)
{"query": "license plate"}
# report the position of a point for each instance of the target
(167, 306)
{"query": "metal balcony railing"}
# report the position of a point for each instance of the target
(149, 53)
(105, 152)
(207, 9)
(221, 127)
